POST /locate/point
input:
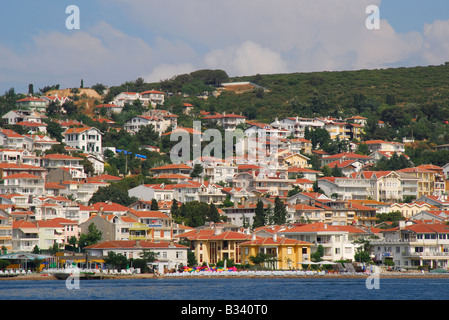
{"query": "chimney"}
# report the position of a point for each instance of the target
(253, 237)
(275, 237)
(137, 243)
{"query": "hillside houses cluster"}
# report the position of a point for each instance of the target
(45, 198)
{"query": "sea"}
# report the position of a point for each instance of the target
(277, 294)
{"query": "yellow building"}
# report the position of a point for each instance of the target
(287, 253)
(213, 245)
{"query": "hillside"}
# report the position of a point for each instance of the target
(87, 98)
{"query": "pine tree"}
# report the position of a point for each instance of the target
(280, 212)
(154, 205)
(259, 216)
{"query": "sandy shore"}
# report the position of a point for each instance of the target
(325, 276)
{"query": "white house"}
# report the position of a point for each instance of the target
(337, 241)
(152, 97)
(87, 139)
(169, 255)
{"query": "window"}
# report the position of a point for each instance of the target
(179, 254)
(289, 250)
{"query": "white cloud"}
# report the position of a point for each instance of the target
(246, 59)
(167, 71)
(240, 37)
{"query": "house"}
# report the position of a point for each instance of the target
(414, 244)
(6, 229)
(32, 103)
(287, 253)
(169, 255)
(431, 216)
(326, 160)
(296, 126)
(429, 181)
(381, 145)
(108, 109)
(125, 98)
(25, 236)
(82, 191)
(302, 213)
(300, 146)
(50, 233)
(23, 183)
(440, 201)
(241, 215)
(337, 241)
(294, 160)
(347, 167)
(42, 142)
(149, 192)
(228, 121)
(408, 210)
(213, 244)
(33, 127)
(109, 208)
(87, 139)
(134, 124)
(152, 98)
(10, 139)
(160, 223)
(55, 160)
(297, 172)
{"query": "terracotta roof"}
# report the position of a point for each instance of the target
(313, 227)
(173, 166)
(108, 207)
(58, 156)
(149, 214)
(22, 176)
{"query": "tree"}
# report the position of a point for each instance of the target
(363, 251)
(318, 254)
(279, 212)
(214, 215)
(91, 237)
(112, 193)
(197, 171)
(118, 261)
(154, 206)
(148, 255)
(259, 215)
(336, 172)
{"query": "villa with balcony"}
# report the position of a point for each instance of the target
(413, 245)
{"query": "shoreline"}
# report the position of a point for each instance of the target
(39, 277)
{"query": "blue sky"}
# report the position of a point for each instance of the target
(121, 40)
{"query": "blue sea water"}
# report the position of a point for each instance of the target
(227, 289)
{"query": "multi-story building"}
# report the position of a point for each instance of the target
(228, 121)
(286, 253)
(413, 245)
(87, 139)
(337, 241)
(23, 183)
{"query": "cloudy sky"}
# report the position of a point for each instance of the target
(122, 40)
